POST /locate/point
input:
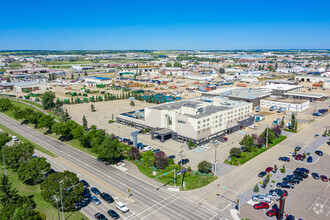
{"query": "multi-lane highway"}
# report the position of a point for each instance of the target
(148, 199)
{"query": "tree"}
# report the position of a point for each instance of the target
(191, 144)
(271, 135)
(72, 189)
(247, 141)
(261, 141)
(85, 73)
(33, 172)
(160, 160)
(85, 123)
(5, 104)
(295, 152)
(92, 108)
(110, 150)
(325, 133)
(133, 153)
(9, 196)
(282, 122)
(72, 76)
(176, 64)
(293, 121)
(4, 138)
(132, 103)
(256, 188)
(277, 130)
(204, 166)
(275, 168)
(46, 121)
(168, 65)
(18, 153)
(235, 151)
(283, 169)
(48, 100)
(264, 183)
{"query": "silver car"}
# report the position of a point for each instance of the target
(261, 198)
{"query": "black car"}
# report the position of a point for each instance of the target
(171, 157)
(130, 142)
(290, 217)
(304, 170)
(262, 174)
(300, 173)
(84, 182)
(100, 216)
(318, 152)
(316, 176)
(113, 214)
(278, 192)
(298, 148)
(183, 161)
(292, 180)
(285, 185)
(107, 197)
(86, 193)
(286, 159)
(299, 177)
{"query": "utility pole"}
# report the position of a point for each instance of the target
(58, 211)
(61, 199)
(314, 112)
(267, 136)
(215, 160)
(174, 178)
(181, 155)
(4, 163)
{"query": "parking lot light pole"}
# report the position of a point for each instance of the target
(4, 163)
(61, 198)
(238, 199)
(215, 160)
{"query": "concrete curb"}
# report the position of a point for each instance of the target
(233, 213)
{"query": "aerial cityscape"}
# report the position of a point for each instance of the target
(121, 113)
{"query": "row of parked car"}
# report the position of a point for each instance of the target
(106, 197)
(320, 112)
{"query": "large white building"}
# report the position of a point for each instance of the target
(199, 119)
(289, 104)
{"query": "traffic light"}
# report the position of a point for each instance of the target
(237, 201)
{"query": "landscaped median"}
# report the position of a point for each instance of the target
(160, 168)
(252, 146)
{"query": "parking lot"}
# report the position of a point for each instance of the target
(308, 200)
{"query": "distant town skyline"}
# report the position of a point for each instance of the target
(177, 25)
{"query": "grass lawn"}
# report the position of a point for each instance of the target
(43, 206)
(192, 182)
(29, 103)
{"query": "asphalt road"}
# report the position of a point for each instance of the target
(148, 200)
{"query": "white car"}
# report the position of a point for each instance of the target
(206, 146)
(253, 127)
(15, 138)
(261, 198)
(147, 148)
(291, 154)
(122, 207)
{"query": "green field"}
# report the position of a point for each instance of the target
(43, 206)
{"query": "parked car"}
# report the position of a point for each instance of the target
(291, 180)
(147, 148)
(299, 157)
(258, 109)
(316, 135)
(113, 214)
(318, 152)
(310, 159)
(324, 178)
(106, 197)
(317, 114)
(253, 127)
(156, 151)
(286, 159)
(273, 196)
(262, 174)
(15, 138)
(215, 142)
(323, 110)
(171, 157)
(272, 108)
(272, 212)
(316, 176)
(130, 143)
(100, 216)
(86, 193)
(269, 169)
(285, 185)
(206, 146)
(84, 183)
(122, 207)
(261, 198)
(261, 205)
(303, 170)
(223, 139)
(95, 191)
(298, 148)
(183, 161)
(290, 217)
(95, 200)
(278, 192)
(300, 173)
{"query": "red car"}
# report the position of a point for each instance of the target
(272, 212)
(269, 169)
(261, 205)
(298, 157)
(324, 178)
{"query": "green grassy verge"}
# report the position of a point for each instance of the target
(29, 103)
(42, 206)
(36, 146)
(192, 182)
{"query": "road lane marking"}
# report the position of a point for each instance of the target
(160, 208)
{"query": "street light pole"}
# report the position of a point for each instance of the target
(4, 163)
(215, 160)
(61, 199)
(58, 211)
(181, 155)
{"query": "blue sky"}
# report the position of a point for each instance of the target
(179, 24)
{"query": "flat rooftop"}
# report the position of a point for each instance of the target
(309, 95)
(247, 93)
(293, 101)
(280, 86)
(23, 83)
